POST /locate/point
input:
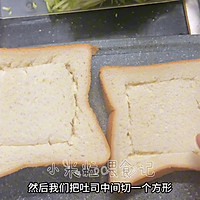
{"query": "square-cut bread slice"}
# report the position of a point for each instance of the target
(154, 117)
(45, 115)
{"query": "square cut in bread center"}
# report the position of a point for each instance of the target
(164, 116)
(37, 105)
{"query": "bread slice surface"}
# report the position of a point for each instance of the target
(154, 117)
(45, 113)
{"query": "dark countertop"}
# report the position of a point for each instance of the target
(119, 52)
(154, 20)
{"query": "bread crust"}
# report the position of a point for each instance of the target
(29, 50)
(111, 109)
(94, 49)
(150, 65)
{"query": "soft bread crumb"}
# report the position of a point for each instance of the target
(154, 119)
(46, 115)
(169, 105)
(37, 105)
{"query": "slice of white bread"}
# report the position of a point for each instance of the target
(45, 116)
(154, 117)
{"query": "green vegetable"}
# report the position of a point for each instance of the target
(65, 5)
(141, 1)
(34, 5)
(6, 9)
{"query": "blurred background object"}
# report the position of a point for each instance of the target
(152, 20)
(27, 8)
(192, 12)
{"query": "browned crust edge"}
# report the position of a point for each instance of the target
(50, 47)
(151, 65)
(93, 51)
(159, 172)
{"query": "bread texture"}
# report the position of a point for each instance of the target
(45, 113)
(154, 117)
